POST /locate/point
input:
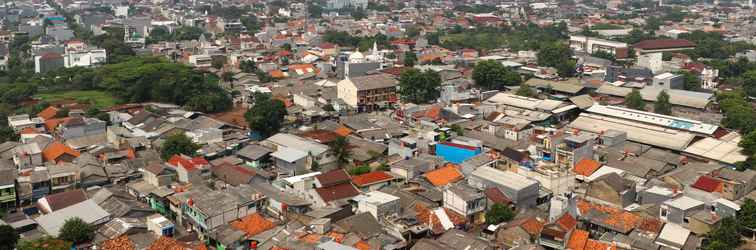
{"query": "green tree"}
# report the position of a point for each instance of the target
(634, 100)
(7, 134)
(525, 91)
(8, 237)
(410, 59)
(747, 214)
(662, 105)
(749, 83)
(266, 115)
(419, 87)
(726, 234)
(559, 56)
(77, 231)
(228, 76)
(286, 47)
(457, 129)
(690, 81)
(748, 143)
(491, 74)
(359, 170)
(498, 214)
(340, 149)
(178, 143)
(218, 62)
(248, 66)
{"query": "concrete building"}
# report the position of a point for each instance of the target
(378, 204)
(592, 45)
(367, 93)
(521, 190)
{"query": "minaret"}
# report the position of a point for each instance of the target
(375, 48)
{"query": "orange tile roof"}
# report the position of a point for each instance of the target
(444, 175)
(578, 239)
(343, 131)
(51, 124)
(567, 222)
(371, 178)
(166, 243)
(362, 245)
(120, 243)
(277, 74)
(337, 237)
(617, 219)
(56, 149)
(597, 245)
(427, 216)
(586, 167)
(48, 113)
(28, 131)
(533, 226)
(253, 224)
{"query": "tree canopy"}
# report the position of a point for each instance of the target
(8, 237)
(46, 243)
(409, 59)
(178, 143)
(266, 115)
(662, 105)
(419, 87)
(77, 231)
(634, 100)
(498, 214)
(491, 74)
(525, 91)
(340, 149)
(559, 56)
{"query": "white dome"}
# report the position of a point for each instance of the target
(356, 56)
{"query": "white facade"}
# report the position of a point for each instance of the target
(652, 61)
(378, 203)
(87, 58)
(201, 61)
(347, 91)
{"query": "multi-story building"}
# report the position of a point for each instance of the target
(573, 149)
(592, 45)
(369, 92)
(85, 58)
(467, 201)
(7, 189)
(338, 4)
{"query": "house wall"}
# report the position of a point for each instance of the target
(347, 92)
(526, 197)
(8, 196)
(601, 191)
(698, 227)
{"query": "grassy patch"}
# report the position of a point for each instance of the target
(101, 99)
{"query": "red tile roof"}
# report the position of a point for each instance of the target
(167, 243)
(566, 222)
(333, 177)
(188, 163)
(120, 243)
(578, 239)
(371, 178)
(322, 136)
(707, 183)
(65, 199)
(532, 225)
(444, 175)
(253, 224)
(337, 192)
(495, 195)
(664, 44)
(56, 149)
(615, 219)
(343, 131)
(428, 217)
(586, 167)
(598, 245)
(48, 113)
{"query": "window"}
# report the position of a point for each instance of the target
(664, 212)
(686, 220)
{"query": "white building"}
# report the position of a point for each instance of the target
(338, 4)
(201, 61)
(85, 58)
(377, 203)
(592, 45)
